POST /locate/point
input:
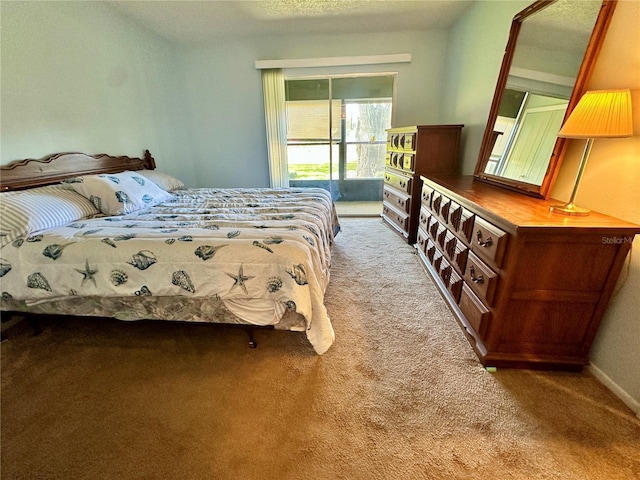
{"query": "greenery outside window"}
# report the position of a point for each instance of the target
(336, 134)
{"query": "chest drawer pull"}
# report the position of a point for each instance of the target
(474, 279)
(486, 243)
(482, 280)
(489, 241)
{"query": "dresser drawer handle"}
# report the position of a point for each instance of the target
(474, 279)
(487, 243)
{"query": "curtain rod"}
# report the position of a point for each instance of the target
(334, 61)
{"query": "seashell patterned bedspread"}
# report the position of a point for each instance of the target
(221, 244)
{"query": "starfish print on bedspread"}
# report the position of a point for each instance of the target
(240, 279)
(88, 273)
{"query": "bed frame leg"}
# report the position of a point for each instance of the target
(252, 342)
(35, 324)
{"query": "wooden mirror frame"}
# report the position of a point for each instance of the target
(588, 63)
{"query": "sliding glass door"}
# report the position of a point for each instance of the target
(336, 135)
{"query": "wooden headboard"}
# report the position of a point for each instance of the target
(51, 169)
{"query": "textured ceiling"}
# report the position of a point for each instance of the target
(564, 25)
(192, 21)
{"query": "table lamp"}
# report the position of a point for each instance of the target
(598, 114)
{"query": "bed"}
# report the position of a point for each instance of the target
(111, 236)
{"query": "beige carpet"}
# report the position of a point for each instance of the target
(400, 395)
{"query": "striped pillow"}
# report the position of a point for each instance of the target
(29, 211)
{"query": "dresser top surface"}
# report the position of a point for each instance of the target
(413, 128)
(518, 210)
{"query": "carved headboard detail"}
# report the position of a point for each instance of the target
(29, 173)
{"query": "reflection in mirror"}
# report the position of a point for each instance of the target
(535, 90)
(525, 130)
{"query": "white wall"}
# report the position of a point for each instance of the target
(77, 76)
(224, 92)
(474, 55)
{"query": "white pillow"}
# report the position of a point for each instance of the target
(163, 180)
(28, 211)
(119, 193)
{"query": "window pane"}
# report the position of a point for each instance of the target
(309, 120)
(366, 121)
(311, 162)
(377, 86)
(365, 125)
(365, 160)
(309, 89)
(360, 105)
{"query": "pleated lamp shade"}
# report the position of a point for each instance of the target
(600, 114)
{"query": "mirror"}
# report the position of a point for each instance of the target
(551, 52)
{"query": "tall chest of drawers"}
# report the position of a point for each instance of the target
(411, 152)
(528, 287)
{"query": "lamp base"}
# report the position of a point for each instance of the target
(569, 209)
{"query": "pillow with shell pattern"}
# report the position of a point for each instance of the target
(119, 193)
(163, 180)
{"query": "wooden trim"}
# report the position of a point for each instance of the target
(588, 63)
(30, 173)
(334, 61)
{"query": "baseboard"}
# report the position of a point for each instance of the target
(359, 215)
(628, 400)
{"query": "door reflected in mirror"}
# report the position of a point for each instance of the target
(550, 54)
(525, 134)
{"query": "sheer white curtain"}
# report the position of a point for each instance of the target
(276, 120)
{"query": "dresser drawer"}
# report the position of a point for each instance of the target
(436, 202)
(398, 201)
(424, 219)
(488, 241)
(464, 227)
(460, 255)
(422, 239)
(441, 235)
(393, 140)
(437, 260)
(450, 241)
(391, 159)
(425, 196)
(455, 285)
(481, 278)
(443, 212)
(400, 219)
(408, 141)
(444, 271)
(430, 249)
(454, 215)
(434, 225)
(407, 162)
(473, 309)
(398, 181)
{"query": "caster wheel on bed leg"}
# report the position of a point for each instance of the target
(252, 342)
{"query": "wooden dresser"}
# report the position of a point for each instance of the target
(528, 287)
(411, 152)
